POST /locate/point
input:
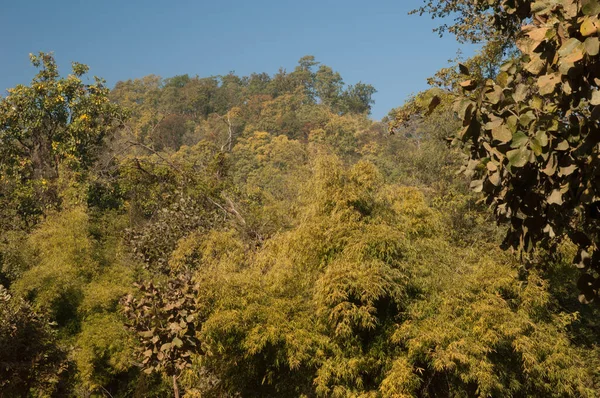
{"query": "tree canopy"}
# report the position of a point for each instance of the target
(262, 236)
(532, 130)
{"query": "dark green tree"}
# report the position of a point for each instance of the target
(31, 362)
(358, 98)
(328, 86)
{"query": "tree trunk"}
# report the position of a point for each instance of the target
(175, 388)
(44, 165)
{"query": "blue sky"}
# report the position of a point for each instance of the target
(375, 42)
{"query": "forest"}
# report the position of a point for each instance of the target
(263, 236)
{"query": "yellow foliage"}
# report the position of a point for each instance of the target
(63, 261)
(104, 348)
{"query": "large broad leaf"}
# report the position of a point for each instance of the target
(591, 7)
(461, 107)
(550, 168)
(177, 342)
(542, 138)
(535, 65)
(571, 51)
(567, 171)
(503, 79)
(492, 124)
(589, 26)
(592, 46)
(519, 140)
(495, 95)
(565, 67)
(583, 259)
(520, 93)
(547, 83)
(562, 146)
(512, 122)
(526, 118)
(518, 157)
(469, 85)
(501, 133)
(147, 334)
(555, 198)
(477, 185)
(540, 7)
(595, 98)
(538, 34)
(536, 146)
(495, 179)
(165, 347)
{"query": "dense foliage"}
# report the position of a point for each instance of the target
(533, 129)
(261, 236)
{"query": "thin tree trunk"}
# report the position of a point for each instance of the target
(175, 388)
(44, 165)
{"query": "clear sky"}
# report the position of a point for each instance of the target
(375, 42)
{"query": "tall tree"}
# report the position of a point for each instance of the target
(328, 85)
(534, 130)
(56, 120)
(358, 98)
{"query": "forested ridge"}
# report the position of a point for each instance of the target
(263, 236)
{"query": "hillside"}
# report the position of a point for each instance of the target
(262, 236)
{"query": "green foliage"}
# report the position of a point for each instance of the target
(474, 19)
(105, 350)
(267, 170)
(466, 327)
(328, 86)
(156, 240)
(261, 236)
(358, 98)
(56, 120)
(31, 361)
(73, 277)
(165, 320)
(167, 113)
(392, 298)
(12, 256)
(62, 263)
(532, 130)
